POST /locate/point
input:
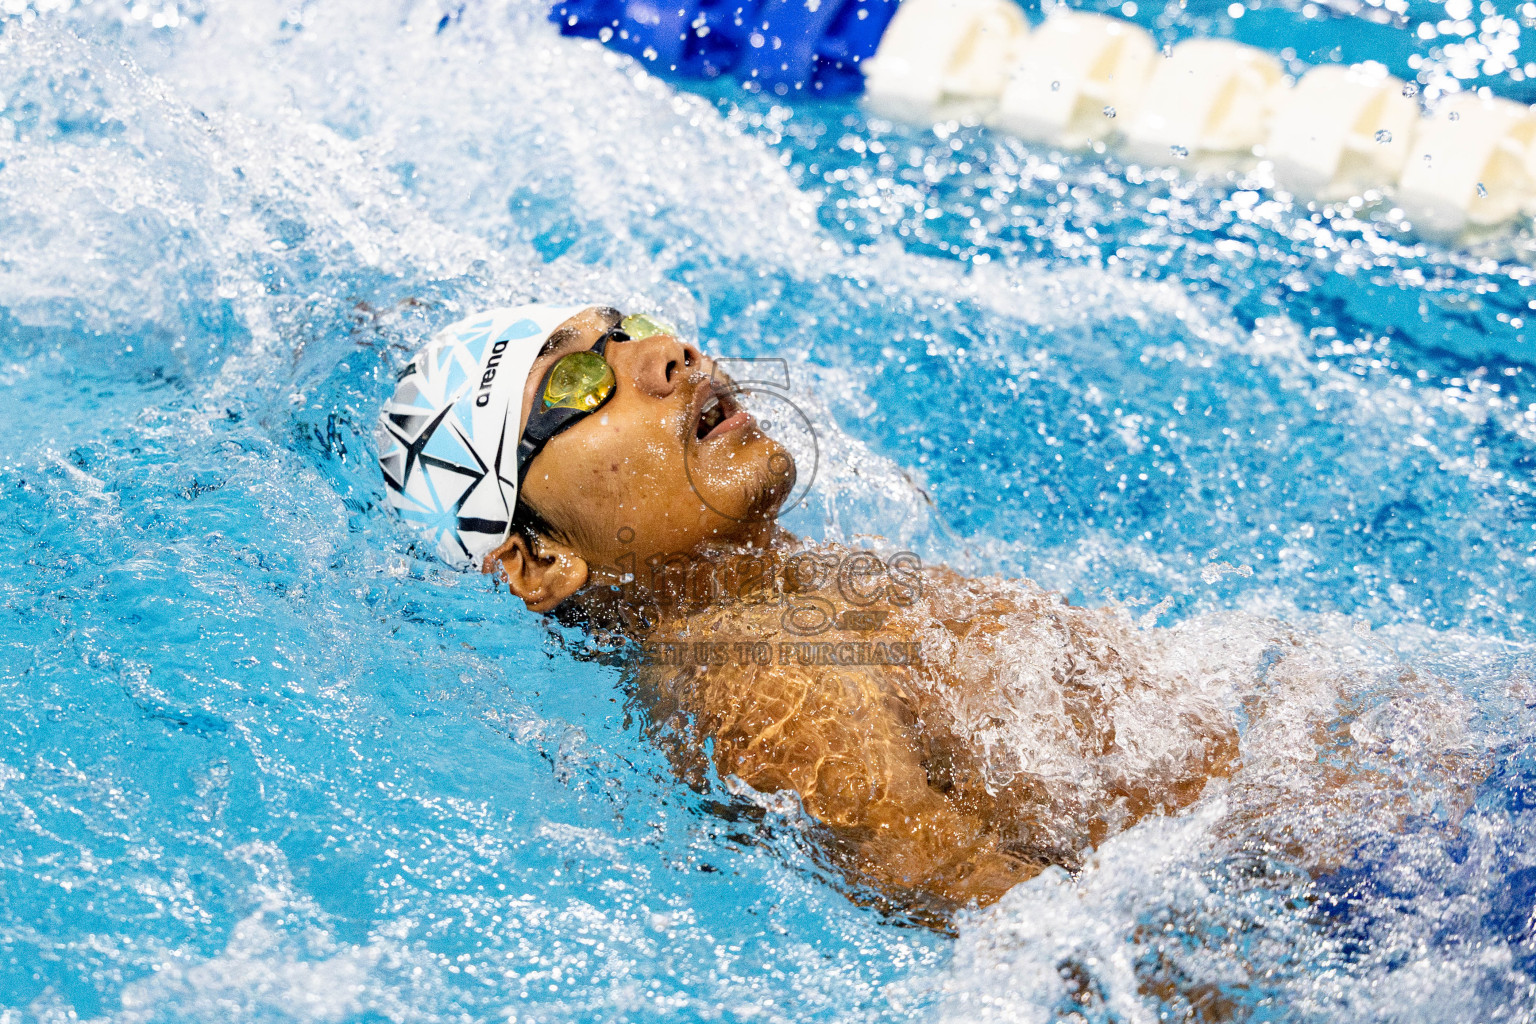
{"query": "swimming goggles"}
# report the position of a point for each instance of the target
(577, 386)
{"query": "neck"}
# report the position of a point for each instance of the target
(663, 597)
(647, 598)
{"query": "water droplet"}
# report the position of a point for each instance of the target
(1481, 191)
(1055, 86)
(1179, 151)
(1109, 111)
(1410, 88)
(1383, 136)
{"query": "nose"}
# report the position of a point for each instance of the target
(659, 364)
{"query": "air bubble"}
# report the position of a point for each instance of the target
(1179, 151)
(1482, 192)
(1383, 136)
(1109, 111)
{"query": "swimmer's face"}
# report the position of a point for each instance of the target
(668, 463)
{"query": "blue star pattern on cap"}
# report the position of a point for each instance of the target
(447, 438)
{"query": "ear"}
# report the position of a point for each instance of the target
(542, 575)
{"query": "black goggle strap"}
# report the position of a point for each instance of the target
(544, 424)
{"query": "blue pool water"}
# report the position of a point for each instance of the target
(258, 761)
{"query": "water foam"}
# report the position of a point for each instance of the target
(264, 208)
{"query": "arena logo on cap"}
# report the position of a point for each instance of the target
(521, 329)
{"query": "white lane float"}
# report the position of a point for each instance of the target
(943, 53)
(1084, 79)
(1341, 130)
(1470, 164)
(1073, 77)
(1207, 96)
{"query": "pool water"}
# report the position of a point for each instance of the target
(261, 760)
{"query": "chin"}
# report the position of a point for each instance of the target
(752, 487)
(780, 482)
(772, 485)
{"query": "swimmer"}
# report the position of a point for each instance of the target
(950, 736)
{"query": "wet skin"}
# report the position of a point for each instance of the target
(636, 469)
(880, 754)
(872, 750)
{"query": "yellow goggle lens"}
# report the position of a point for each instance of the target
(581, 380)
(641, 325)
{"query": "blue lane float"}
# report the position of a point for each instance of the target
(781, 45)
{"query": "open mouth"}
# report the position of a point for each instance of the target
(719, 413)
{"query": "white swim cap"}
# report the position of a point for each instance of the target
(448, 436)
